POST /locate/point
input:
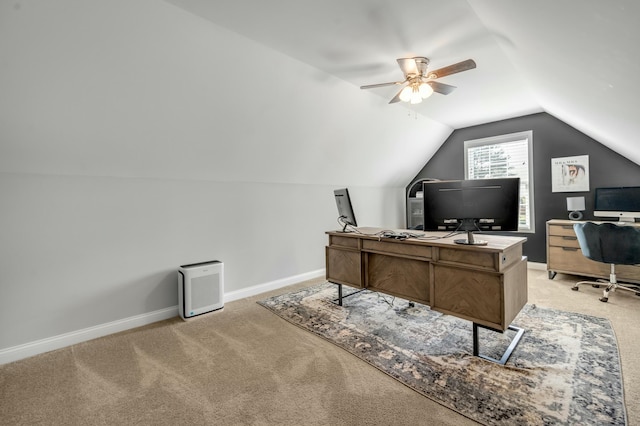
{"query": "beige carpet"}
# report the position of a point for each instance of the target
(244, 365)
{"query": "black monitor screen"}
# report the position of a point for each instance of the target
(472, 205)
(345, 209)
(620, 202)
(625, 198)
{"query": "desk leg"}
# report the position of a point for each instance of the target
(505, 357)
(341, 296)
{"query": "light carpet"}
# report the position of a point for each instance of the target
(565, 370)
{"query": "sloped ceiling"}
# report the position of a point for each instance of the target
(576, 59)
(148, 90)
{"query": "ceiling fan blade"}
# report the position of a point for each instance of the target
(441, 88)
(408, 66)
(372, 86)
(452, 69)
(396, 98)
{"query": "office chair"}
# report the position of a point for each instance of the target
(612, 244)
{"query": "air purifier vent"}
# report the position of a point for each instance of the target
(200, 288)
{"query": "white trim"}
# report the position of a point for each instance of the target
(501, 139)
(537, 266)
(273, 285)
(67, 339)
(30, 349)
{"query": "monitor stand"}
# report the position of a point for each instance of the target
(471, 241)
(345, 230)
(345, 224)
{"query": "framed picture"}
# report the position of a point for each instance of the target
(570, 174)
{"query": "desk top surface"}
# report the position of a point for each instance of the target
(440, 239)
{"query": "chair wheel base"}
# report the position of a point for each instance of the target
(574, 288)
(595, 285)
(604, 299)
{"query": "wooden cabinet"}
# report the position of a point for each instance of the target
(343, 260)
(480, 296)
(564, 255)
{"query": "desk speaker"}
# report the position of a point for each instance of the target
(200, 288)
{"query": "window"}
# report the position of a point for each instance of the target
(505, 156)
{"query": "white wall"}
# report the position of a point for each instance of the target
(135, 137)
(81, 251)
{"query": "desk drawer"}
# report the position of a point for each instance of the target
(474, 295)
(344, 266)
(485, 260)
(572, 260)
(399, 276)
(335, 240)
(562, 230)
(403, 248)
(564, 241)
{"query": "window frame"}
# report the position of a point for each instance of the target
(502, 139)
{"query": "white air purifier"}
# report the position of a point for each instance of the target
(200, 288)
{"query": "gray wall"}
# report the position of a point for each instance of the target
(552, 138)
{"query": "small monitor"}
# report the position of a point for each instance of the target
(472, 205)
(345, 209)
(622, 203)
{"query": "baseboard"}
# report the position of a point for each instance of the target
(26, 350)
(37, 347)
(537, 266)
(273, 285)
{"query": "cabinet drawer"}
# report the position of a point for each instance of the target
(562, 230)
(399, 276)
(469, 294)
(572, 260)
(628, 273)
(485, 260)
(335, 240)
(343, 266)
(564, 241)
(399, 248)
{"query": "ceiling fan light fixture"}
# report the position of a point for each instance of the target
(405, 94)
(416, 97)
(425, 90)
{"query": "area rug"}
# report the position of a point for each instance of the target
(565, 370)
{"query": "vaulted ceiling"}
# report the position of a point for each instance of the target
(575, 59)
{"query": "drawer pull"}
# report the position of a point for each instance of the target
(569, 238)
(570, 249)
(567, 226)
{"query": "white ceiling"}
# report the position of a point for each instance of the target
(575, 59)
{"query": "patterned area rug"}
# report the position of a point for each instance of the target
(565, 370)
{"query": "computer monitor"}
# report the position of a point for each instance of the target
(622, 203)
(472, 205)
(345, 209)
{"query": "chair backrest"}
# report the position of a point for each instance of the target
(609, 243)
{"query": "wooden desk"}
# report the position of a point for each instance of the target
(564, 255)
(483, 284)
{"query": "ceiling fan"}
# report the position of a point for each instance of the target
(421, 82)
